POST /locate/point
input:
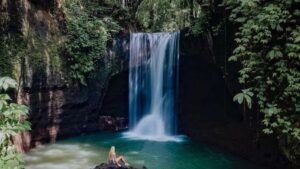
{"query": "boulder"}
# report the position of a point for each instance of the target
(113, 166)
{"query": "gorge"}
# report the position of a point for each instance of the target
(152, 92)
(172, 84)
(153, 68)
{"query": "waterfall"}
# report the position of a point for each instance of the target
(153, 82)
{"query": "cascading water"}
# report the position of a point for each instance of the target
(153, 82)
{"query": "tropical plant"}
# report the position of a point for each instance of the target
(87, 36)
(268, 48)
(165, 15)
(11, 123)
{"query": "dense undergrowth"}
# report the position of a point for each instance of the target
(12, 122)
(87, 34)
(268, 48)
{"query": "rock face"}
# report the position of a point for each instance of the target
(112, 123)
(115, 102)
(112, 166)
(207, 112)
(60, 108)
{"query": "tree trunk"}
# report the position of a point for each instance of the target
(123, 3)
(191, 10)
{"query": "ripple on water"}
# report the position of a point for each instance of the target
(58, 156)
(86, 152)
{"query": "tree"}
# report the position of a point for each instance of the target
(165, 15)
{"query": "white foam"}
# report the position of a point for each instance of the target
(57, 166)
(149, 75)
(141, 162)
(134, 152)
(159, 138)
(60, 156)
(54, 152)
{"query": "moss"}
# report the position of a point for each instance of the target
(44, 55)
(9, 55)
(40, 55)
(54, 50)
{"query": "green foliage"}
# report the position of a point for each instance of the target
(10, 22)
(268, 47)
(8, 58)
(244, 97)
(165, 15)
(27, 45)
(201, 23)
(87, 36)
(11, 123)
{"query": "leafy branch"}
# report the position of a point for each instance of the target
(11, 123)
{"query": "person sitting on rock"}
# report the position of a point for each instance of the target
(113, 159)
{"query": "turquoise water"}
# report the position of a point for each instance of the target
(85, 152)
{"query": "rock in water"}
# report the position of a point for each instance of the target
(113, 166)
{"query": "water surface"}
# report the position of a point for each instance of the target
(85, 152)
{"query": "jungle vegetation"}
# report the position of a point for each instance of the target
(12, 122)
(267, 47)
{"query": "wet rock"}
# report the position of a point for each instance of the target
(113, 123)
(113, 166)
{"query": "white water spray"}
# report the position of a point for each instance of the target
(153, 82)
